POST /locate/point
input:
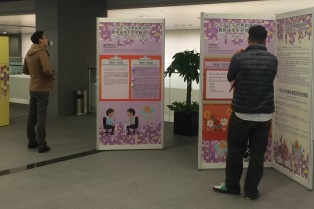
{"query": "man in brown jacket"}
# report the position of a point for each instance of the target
(37, 65)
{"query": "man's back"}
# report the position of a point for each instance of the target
(37, 65)
(254, 71)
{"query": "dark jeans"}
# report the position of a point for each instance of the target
(38, 104)
(240, 132)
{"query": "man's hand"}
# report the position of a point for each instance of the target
(231, 83)
(239, 51)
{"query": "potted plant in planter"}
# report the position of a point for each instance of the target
(187, 64)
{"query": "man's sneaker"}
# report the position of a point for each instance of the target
(223, 189)
(254, 197)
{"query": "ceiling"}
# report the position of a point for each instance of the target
(188, 17)
(16, 24)
(176, 17)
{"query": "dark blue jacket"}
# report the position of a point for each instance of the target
(254, 71)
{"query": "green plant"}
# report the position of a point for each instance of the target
(187, 64)
(182, 107)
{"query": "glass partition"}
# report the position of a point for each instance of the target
(175, 91)
(15, 65)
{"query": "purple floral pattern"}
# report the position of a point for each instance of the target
(295, 159)
(234, 31)
(145, 134)
(294, 29)
(216, 151)
(129, 33)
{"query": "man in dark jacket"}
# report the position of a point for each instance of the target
(251, 75)
(37, 65)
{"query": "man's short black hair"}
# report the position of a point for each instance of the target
(36, 36)
(131, 110)
(257, 34)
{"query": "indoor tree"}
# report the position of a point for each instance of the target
(187, 64)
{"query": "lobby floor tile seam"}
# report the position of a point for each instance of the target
(48, 162)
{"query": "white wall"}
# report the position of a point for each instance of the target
(26, 43)
(178, 41)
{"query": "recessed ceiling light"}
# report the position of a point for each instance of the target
(4, 32)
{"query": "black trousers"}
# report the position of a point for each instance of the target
(38, 104)
(240, 132)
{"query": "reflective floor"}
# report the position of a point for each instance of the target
(74, 175)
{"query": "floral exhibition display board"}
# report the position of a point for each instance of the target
(4, 81)
(221, 37)
(130, 57)
(293, 121)
(290, 38)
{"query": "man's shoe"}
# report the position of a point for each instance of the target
(223, 189)
(254, 197)
(43, 149)
(32, 145)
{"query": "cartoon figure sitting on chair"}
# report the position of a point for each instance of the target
(108, 122)
(133, 124)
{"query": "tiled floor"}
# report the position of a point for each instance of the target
(143, 179)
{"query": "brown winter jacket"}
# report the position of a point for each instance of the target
(37, 65)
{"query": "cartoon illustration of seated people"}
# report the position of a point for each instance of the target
(108, 121)
(133, 121)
